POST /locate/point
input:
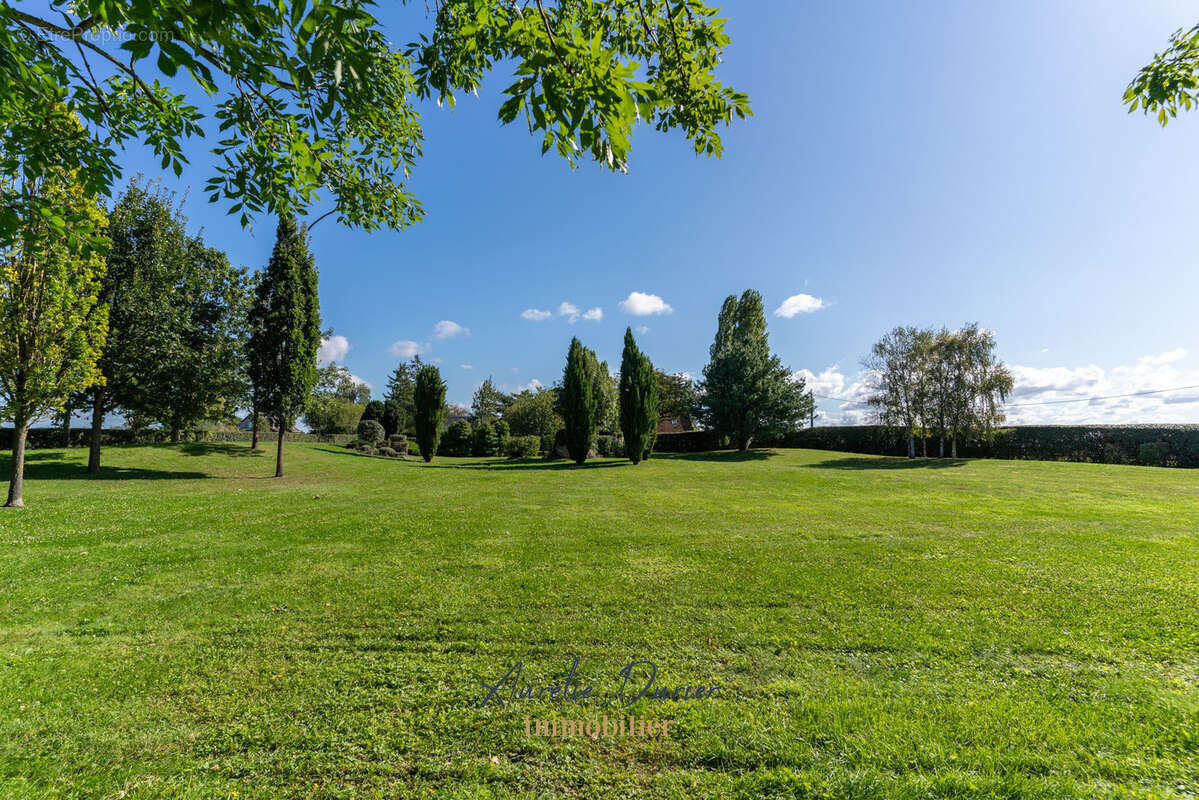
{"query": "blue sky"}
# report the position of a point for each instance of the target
(917, 163)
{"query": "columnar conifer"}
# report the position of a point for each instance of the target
(638, 401)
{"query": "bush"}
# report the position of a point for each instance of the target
(399, 443)
(370, 430)
(366, 449)
(458, 440)
(484, 440)
(609, 446)
(523, 447)
(387, 451)
(413, 449)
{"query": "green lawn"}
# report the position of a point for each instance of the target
(185, 626)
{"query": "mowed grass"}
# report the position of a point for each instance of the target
(185, 626)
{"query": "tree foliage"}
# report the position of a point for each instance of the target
(429, 409)
(286, 326)
(339, 402)
(146, 258)
(311, 98)
(677, 395)
(198, 371)
(52, 323)
(747, 393)
(638, 400)
(1170, 82)
(488, 403)
(535, 413)
(947, 384)
(577, 400)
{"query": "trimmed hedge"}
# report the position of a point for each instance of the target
(1148, 445)
(687, 442)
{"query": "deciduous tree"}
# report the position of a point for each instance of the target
(313, 96)
(52, 324)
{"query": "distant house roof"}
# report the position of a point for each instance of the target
(680, 423)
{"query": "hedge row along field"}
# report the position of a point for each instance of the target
(1147, 445)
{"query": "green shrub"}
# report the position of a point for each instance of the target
(523, 447)
(485, 442)
(366, 449)
(371, 431)
(387, 451)
(399, 443)
(413, 448)
(609, 446)
(458, 440)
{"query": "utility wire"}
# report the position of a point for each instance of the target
(1043, 402)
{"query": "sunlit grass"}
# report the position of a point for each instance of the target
(186, 626)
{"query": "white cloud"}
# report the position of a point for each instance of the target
(570, 311)
(536, 314)
(593, 314)
(830, 382)
(532, 386)
(640, 304)
(406, 348)
(642, 329)
(1168, 357)
(799, 304)
(333, 349)
(448, 329)
(361, 382)
(467, 366)
(1038, 392)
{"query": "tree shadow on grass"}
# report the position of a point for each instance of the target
(719, 456)
(51, 467)
(219, 448)
(538, 463)
(888, 462)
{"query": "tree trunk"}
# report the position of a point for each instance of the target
(279, 452)
(16, 484)
(953, 453)
(254, 433)
(66, 428)
(175, 435)
(93, 456)
(941, 452)
(911, 445)
(924, 445)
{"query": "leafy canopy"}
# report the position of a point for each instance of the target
(311, 101)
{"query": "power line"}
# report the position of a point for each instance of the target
(1107, 397)
(1041, 403)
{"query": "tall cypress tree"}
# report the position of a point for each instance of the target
(286, 325)
(428, 399)
(577, 400)
(638, 400)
